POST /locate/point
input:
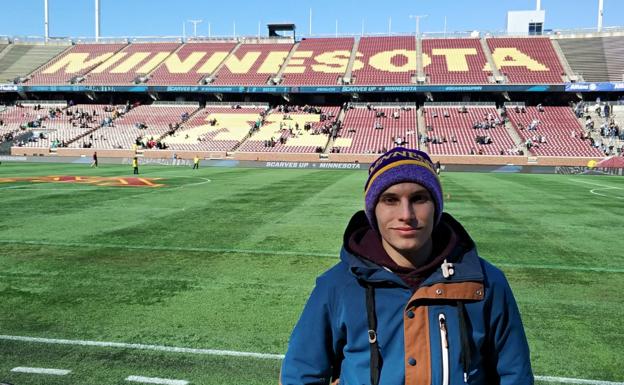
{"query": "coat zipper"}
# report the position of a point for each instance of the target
(445, 348)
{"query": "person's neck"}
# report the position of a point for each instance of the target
(411, 260)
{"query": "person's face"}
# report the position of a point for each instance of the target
(405, 217)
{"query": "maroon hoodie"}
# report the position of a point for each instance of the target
(366, 242)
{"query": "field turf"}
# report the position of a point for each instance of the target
(224, 259)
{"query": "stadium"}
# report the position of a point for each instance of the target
(185, 276)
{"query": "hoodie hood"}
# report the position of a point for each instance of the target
(361, 254)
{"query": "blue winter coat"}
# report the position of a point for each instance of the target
(418, 331)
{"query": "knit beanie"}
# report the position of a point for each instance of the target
(401, 165)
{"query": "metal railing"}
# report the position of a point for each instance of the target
(557, 34)
(459, 104)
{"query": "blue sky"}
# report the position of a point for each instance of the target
(165, 18)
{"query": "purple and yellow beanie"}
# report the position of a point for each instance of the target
(401, 165)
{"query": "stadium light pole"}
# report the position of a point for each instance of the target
(310, 22)
(97, 20)
(195, 22)
(417, 17)
(600, 14)
(336, 27)
(362, 27)
(390, 25)
(209, 32)
(46, 19)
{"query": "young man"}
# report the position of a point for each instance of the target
(410, 302)
(196, 162)
(94, 163)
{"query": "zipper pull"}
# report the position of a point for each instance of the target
(443, 330)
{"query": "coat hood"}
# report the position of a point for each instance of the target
(463, 256)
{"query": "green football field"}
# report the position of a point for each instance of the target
(202, 279)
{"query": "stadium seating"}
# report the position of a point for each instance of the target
(231, 126)
(526, 60)
(385, 60)
(596, 59)
(13, 117)
(321, 61)
(358, 134)
(290, 128)
(191, 63)
(133, 61)
(253, 64)
(454, 61)
(555, 125)
(18, 60)
(65, 125)
(126, 129)
(77, 61)
(458, 135)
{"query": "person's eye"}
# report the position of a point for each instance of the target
(420, 198)
(389, 200)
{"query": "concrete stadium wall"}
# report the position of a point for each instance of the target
(88, 152)
(268, 156)
(313, 157)
(168, 154)
(29, 151)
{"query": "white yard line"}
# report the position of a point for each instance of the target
(602, 188)
(564, 380)
(161, 348)
(214, 352)
(54, 372)
(597, 184)
(156, 380)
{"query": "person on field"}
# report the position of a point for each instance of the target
(196, 163)
(95, 160)
(135, 165)
(411, 301)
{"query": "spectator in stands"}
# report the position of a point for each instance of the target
(378, 125)
(402, 260)
(446, 114)
(533, 125)
(540, 108)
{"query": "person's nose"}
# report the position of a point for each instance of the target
(406, 211)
